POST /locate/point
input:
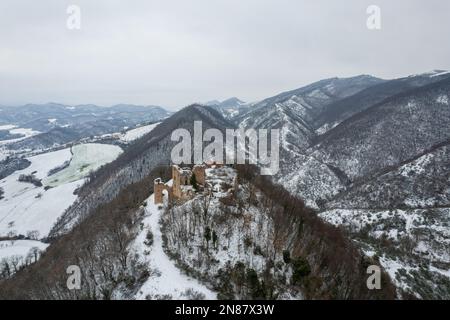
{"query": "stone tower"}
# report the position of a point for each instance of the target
(176, 188)
(158, 188)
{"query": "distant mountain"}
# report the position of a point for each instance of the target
(62, 123)
(389, 132)
(293, 112)
(212, 103)
(42, 117)
(54, 137)
(232, 102)
(229, 108)
(342, 109)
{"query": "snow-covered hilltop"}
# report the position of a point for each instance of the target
(166, 281)
(242, 241)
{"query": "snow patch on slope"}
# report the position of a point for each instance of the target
(15, 254)
(20, 248)
(442, 99)
(166, 280)
(25, 132)
(86, 158)
(137, 133)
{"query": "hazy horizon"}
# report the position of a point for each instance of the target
(174, 54)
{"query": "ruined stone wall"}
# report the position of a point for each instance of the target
(200, 175)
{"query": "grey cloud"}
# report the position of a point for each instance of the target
(176, 52)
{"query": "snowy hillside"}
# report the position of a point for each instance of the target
(19, 248)
(342, 109)
(139, 159)
(166, 281)
(16, 254)
(294, 113)
(249, 241)
(28, 207)
(137, 133)
(389, 133)
(413, 245)
(419, 183)
(311, 179)
(86, 158)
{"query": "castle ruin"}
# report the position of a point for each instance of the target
(180, 187)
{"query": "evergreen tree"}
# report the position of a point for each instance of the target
(207, 235)
(194, 182)
(214, 239)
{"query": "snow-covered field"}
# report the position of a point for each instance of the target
(7, 127)
(166, 279)
(25, 132)
(19, 248)
(29, 208)
(15, 254)
(137, 133)
(86, 158)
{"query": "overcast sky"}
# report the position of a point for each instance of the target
(175, 52)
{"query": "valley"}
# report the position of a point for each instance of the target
(29, 210)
